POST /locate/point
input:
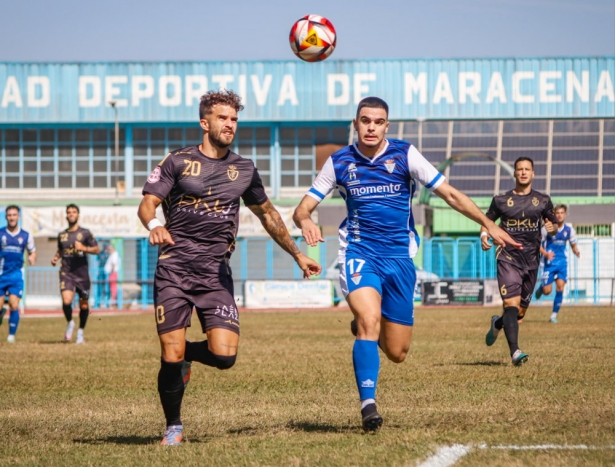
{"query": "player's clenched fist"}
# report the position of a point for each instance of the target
(160, 236)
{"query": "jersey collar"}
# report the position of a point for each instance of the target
(13, 234)
(372, 159)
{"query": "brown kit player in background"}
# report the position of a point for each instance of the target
(200, 188)
(74, 244)
(521, 211)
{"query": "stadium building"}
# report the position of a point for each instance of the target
(470, 117)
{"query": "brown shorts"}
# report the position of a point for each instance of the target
(515, 282)
(214, 308)
(75, 284)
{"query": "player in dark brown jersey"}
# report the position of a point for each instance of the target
(200, 188)
(521, 212)
(74, 244)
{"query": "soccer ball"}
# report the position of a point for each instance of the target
(312, 38)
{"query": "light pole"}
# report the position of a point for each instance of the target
(117, 152)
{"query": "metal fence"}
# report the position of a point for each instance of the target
(591, 279)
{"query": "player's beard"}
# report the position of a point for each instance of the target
(217, 141)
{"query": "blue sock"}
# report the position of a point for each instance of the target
(13, 322)
(366, 362)
(557, 302)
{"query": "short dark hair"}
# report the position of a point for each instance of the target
(12, 206)
(72, 205)
(523, 158)
(222, 97)
(560, 206)
(373, 103)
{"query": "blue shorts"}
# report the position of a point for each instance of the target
(393, 278)
(554, 271)
(12, 284)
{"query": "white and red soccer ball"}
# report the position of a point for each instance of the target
(313, 38)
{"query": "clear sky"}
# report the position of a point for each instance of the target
(154, 30)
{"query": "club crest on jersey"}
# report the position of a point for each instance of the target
(232, 173)
(4, 239)
(390, 165)
(352, 167)
(155, 175)
(79, 237)
(535, 201)
(356, 278)
(20, 240)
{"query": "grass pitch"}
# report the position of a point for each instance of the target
(291, 398)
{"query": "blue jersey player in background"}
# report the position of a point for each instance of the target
(377, 178)
(13, 243)
(555, 259)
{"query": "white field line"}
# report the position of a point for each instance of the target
(449, 455)
(446, 456)
(544, 447)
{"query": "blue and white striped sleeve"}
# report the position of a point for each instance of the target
(422, 170)
(324, 182)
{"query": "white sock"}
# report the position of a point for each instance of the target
(80, 332)
(366, 402)
(553, 315)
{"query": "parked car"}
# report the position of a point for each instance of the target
(333, 273)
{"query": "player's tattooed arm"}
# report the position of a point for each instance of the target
(55, 258)
(274, 225)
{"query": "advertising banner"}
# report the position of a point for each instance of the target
(449, 292)
(122, 221)
(288, 294)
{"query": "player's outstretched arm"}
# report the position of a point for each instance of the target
(575, 250)
(303, 219)
(158, 234)
(55, 258)
(274, 225)
(464, 205)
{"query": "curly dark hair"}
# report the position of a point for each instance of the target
(223, 97)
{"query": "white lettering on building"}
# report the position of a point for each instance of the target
(36, 84)
(416, 85)
(11, 94)
(142, 88)
(170, 90)
(288, 91)
(261, 90)
(334, 81)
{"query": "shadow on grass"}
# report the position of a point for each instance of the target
(487, 363)
(311, 427)
(63, 342)
(120, 440)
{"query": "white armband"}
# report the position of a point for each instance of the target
(153, 224)
(483, 234)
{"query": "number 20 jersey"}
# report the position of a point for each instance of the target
(201, 198)
(378, 194)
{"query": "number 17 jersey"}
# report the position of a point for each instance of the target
(378, 193)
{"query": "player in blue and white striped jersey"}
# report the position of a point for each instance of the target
(555, 259)
(13, 243)
(377, 178)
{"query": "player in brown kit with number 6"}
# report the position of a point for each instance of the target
(200, 188)
(521, 211)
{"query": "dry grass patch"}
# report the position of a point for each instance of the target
(291, 397)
